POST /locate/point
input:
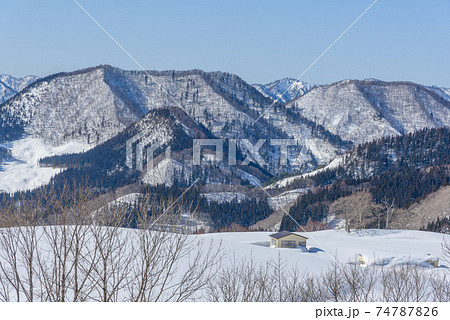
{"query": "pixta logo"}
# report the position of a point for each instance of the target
(251, 151)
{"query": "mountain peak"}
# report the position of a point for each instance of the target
(283, 90)
(10, 85)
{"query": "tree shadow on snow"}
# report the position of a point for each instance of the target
(315, 250)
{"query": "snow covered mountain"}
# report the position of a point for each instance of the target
(361, 111)
(92, 106)
(95, 104)
(66, 107)
(109, 164)
(283, 90)
(9, 85)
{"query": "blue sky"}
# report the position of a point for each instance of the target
(259, 40)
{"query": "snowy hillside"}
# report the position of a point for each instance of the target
(163, 173)
(314, 145)
(9, 85)
(78, 106)
(93, 105)
(285, 198)
(283, 90)
(111, 163)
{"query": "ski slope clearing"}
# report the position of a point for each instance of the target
(23, 171)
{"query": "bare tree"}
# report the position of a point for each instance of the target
(446, 249)
(334, 282)
(440, 288)
(241, 281)
(168, 264)
(363, 207)
(355, 209)
(313, 289)
(18, 249)
(388, 208)
(64, 261)
(344, 209)
(405, 282)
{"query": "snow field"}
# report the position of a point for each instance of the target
(23, 171)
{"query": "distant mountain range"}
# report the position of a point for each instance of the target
(443, 92)
(9, 85)
(94, 105)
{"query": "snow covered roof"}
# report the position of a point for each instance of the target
(285, 233)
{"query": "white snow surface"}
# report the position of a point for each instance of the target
(23, 171)
(387, 247)
(378, 247)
